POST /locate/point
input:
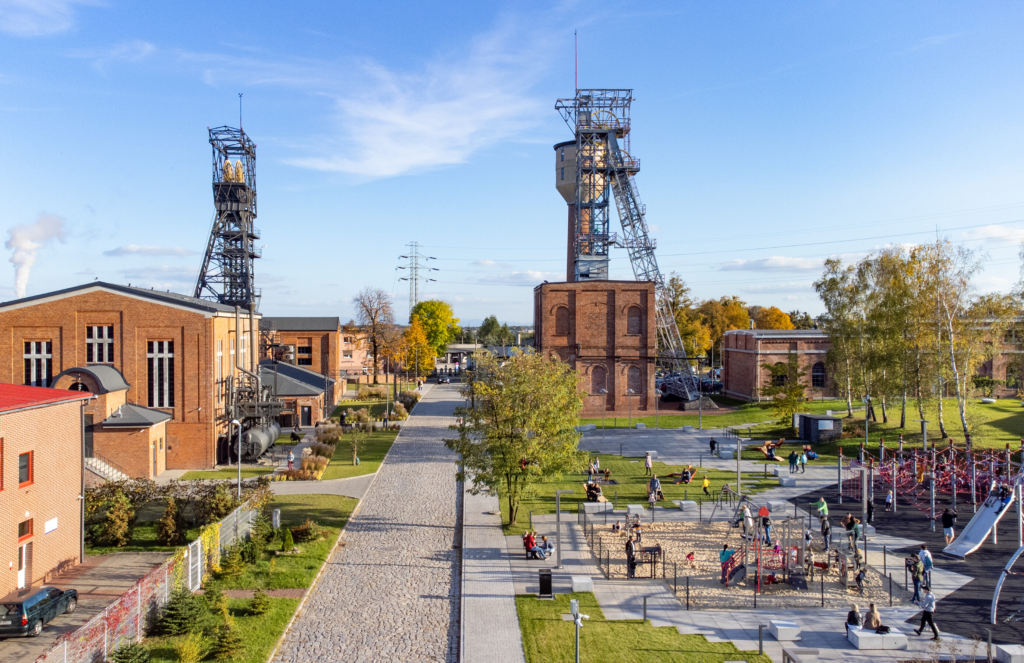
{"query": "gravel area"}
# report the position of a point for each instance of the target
(390, 591)
(705, 540)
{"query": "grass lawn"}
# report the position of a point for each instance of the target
(549, 639)
(226, 473)
(371, 454)
(259, 632)
(992, 427)
(290, 571)
(738, 412)
(632, 488)
(143, 540)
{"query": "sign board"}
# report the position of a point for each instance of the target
(824, 424)
(50, 526)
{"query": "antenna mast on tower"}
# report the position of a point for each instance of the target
(228, 274)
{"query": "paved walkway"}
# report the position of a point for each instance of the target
(390, 590)
(99, 581)
(490, 623)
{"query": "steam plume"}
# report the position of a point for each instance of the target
(25, 240)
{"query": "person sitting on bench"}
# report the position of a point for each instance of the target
(546, 546)
(530, 543)
(853, 618)
(873, 620)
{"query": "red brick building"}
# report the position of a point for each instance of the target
(175, 354)
(745, 351)
(318, 345)
(41, 479)
(607, 331)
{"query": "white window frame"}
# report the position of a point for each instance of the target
(220, 371)
(99, 344)
(39, 363)
(160, 373)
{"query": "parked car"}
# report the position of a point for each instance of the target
(26, 615)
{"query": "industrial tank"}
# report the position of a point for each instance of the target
(255, 441)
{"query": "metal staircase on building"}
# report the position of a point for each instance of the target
(104, 470)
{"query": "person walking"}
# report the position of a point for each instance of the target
(713, 444)
(822, 506)
(916, 573)
(706, 485)
(766, 523)
(928, 616)
(803, 462)
(888, 502)
(871, 512)
(826, 532)
(792, 461)
(630, 558)
(648, 463)
(291, 459)
(948, 521)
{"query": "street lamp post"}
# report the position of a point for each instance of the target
(604, 407)
(558, 527)
(236, 422)
(630, 392)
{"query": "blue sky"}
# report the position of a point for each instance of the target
(771, 137)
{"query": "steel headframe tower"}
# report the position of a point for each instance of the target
(414, 278)
(228, 275)
(600, 120)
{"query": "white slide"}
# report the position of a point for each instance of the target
(972, 536)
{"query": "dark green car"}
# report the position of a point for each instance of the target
(25, 612)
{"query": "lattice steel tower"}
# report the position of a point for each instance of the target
(417, 273)
(228, 275)
(603, 166)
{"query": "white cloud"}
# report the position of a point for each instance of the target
(129, 51)
(38, 18)
(778, 288)
(136, 250)
(773, 264)
(996, 234)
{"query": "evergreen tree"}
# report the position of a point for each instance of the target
(216, 602)
(167, 531)
(227, 642)
(117, 524)
(260, 603)
(183, 613)
(130, 652)
(233, 564)
(289, 540)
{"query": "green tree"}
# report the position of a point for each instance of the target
(521, 428)
(260, 603)
(439, 323)
(183, 613)
(130, 652)
(117, 524)
(168, 531)
(801, 319)
(696, 336)
(785, 389)
(837, 289)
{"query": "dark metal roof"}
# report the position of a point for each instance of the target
(133, 416)
(155, 295)
(107, 377)
(301, 324)
(293, 380)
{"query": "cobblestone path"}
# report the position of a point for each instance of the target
(391, 592)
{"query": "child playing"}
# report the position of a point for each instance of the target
(888, 501)
(691, 559)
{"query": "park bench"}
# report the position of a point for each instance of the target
(862, 639)
(783, 629)
(1009, 653)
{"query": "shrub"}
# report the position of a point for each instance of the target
(400, 412)
(329, 435)
(409, 398)
(260, 603)
(130, 652)
(315, 463)
(289, 541)
(189, 649)
(222, 503)
(307, 531)
(227, 642)
(117, 524)
(367, 393)
(216, 602)
(360, 416)
(322, 450)
(233, 564)
(250, 549)
(167, 530)
(297, 475)
(182, 614)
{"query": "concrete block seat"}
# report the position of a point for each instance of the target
(685, 505)
(634, 510)
(862, 639)
(582, 584)
(597, 507)
(1009, 653)
(778, 507)
(784, 630)
(787, 482)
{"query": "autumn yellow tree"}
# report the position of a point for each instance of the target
(419, 354)
(772, 318)
(721, 315)
(695, 334)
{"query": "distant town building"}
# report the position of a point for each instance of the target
(318, 344)
(41, 479)
(308, 396)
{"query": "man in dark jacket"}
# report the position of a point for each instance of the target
(826, 532)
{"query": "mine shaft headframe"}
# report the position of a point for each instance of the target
(598, 110)
(230, 144)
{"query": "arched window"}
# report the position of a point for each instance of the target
(818, 375)
(779, 378)
(634, 320)
(634, 381)
(598, 380)
(77, 386)
(561, 321)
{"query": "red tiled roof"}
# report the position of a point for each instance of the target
(18, 396)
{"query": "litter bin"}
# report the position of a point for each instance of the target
(545, 585)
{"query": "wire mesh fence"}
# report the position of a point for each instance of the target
(136, 611)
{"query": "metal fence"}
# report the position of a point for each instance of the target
(133, 613)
